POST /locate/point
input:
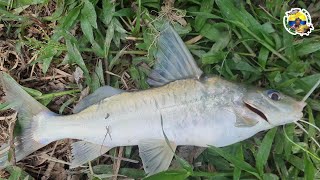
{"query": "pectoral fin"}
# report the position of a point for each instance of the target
(173, 59)
(244, 118)
(245, 121)
(156, 155)
(97, 96)
(83, 152)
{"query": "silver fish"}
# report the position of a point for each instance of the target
(188, 108)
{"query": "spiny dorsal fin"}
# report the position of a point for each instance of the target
(83, 152)
(97, 96)
(173, 59)
(156, 155)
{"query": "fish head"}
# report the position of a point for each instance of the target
(273, 107)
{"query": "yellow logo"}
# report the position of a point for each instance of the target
(298, 21)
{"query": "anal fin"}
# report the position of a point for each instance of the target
(83, 152)
(156, 155)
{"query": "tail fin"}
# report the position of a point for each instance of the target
(27, 107)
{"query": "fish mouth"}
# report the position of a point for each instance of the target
(257, 111)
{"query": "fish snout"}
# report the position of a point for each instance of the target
(300, 105)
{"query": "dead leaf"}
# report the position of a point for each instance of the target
(78, 75)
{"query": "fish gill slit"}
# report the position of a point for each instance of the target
(257, 111)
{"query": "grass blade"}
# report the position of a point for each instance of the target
(309, 169)
(236, 161)
(89, 12)
(206, 7)
(264, 150)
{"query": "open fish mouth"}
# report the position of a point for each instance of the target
(257, 111)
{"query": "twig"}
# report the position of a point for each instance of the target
(32, 70)
(111, 73)
(116, 165)
(47, 173)
(47, 157)
(14, 115)
(43, 78)
(268, 13)
(62, 72)
(90, 168)
(51, 164)
(125, 22)
(123, 80)
(194, 40)
(129, 52)
(122, 158)
(133, 38)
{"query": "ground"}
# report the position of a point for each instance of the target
(63, 50)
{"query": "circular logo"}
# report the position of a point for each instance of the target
(298, 21)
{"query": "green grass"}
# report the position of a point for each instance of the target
(242, 41)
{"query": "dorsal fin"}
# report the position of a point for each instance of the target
(97, 96)
(173, 59)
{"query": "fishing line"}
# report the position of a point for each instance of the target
(311, 91)
(303, 129)
(305, 150)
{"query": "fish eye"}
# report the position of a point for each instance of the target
(274, 95)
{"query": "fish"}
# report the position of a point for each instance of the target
(183, 108)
